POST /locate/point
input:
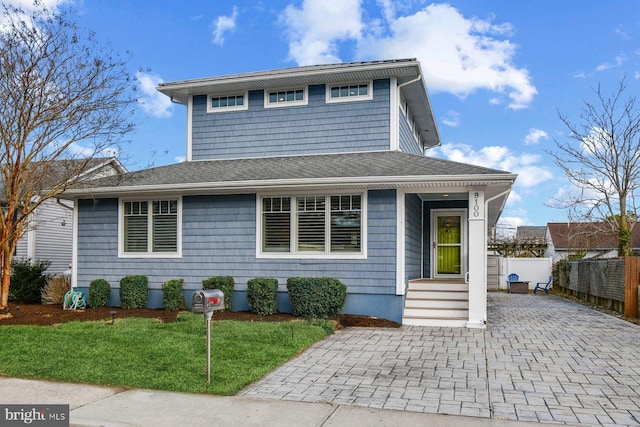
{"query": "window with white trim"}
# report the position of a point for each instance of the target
(222, 103)
(350, 92)
(150, 227)
(286, 97)
(312, 224)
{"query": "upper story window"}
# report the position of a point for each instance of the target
(286, 98)
(234, 102)
(150, 227)
(350, 92)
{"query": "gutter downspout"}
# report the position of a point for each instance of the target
(410, 81)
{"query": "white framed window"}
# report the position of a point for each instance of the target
(312, 226)
(224, 103)
(286, 97)
(346, 92)
(150, 228)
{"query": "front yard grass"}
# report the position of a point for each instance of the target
(145, 353)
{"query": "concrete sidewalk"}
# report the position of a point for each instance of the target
(112, 407)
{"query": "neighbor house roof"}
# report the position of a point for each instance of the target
(67, 169)
(347, 171)
(407, 72)
(587, 235)
(531, 233)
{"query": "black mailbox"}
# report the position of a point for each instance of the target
(207, 300)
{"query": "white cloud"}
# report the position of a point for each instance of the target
(451, 119)
(534, 136)
(619, 60)
(79, 151)
(222, 25)
(180, 159)
(315, 28)
(28, 5)
(501, 158)
(458, 55)
(152, 101)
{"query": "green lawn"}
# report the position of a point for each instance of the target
(146, 353)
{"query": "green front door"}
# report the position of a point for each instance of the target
(448, 233)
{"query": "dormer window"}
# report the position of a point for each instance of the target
(234, 102)
(286, 97)
(350, 92)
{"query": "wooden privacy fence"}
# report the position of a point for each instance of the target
(610, 283)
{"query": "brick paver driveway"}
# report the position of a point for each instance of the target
(541, 358)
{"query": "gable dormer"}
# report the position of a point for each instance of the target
(337, 108)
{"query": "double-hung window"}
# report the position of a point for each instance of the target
(150, 227)
(313, 225)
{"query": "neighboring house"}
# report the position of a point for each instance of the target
(49, 232)
(531, 233)
(307, 171)
(585, 240)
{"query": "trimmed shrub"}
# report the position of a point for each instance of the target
(134, 291)
(55, 289)
(27, 280)
(316, 297)
(99, 293)
(172, 297)
(225, 284)
(262, 293)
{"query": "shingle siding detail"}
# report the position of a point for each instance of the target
(413, 237)
(219, 239)
(315, 128)
(408, 142)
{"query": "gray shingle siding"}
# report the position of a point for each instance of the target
(408, 142)
(218, 238)
(318, 127)
(413, 237)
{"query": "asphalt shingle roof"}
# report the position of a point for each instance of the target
(310, 167)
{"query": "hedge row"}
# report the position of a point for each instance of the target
(310, 297)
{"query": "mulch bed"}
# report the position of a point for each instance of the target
(51, 314)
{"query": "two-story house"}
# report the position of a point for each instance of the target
(307, 171)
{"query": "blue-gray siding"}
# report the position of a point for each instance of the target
(315, 128)
(219, 238)
(408, 143)
(413, 237)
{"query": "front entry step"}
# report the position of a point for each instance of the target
(436, 303)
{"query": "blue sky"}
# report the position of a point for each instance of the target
(498, 72)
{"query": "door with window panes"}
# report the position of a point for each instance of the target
(448, 234)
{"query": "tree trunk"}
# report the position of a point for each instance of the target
(624, 237)
(6, 279)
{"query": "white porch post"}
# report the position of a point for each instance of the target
(477, 260)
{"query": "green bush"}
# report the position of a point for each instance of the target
(134, 291)
(262, 293)
(172, 297)
(99, 293)
(316, 297)
(225, 284)
(28, 278)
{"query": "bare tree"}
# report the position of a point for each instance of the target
(601, 157)
(64, 100)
